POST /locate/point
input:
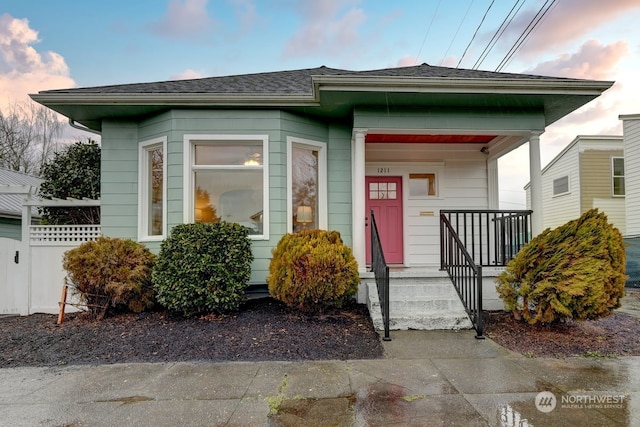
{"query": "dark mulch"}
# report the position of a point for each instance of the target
(263, 330)
(616, 335)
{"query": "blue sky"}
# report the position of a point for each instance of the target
(76, 43)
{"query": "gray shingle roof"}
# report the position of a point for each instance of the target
(286, 82)
(11, 204)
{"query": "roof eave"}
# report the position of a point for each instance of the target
(173, 99)
(462, 85)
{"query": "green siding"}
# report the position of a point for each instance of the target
(120, 142)
(339, 181)
(490, 120)
(119, 180)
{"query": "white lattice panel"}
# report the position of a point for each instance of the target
(63, 235)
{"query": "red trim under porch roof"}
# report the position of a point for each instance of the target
(428, 139)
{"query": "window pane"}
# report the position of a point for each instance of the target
(304, 192)
(155, 179)
(618, 186)
(218, 154)
(230, 195)
(618, 167)
(422, 184)
(561, 185)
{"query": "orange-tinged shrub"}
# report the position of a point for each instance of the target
(313, 270)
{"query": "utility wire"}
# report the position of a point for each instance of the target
(525, 34)
(499, 32)
(456, 34)
(475, 33)
(427, 33)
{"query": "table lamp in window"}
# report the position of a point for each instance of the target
(304, 215)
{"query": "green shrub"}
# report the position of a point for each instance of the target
(576, 271)
(313, 270)
(203, 268)
(111, 274)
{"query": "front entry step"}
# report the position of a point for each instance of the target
(423, 303)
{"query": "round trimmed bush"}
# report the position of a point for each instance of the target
(203, 268)
(111, 274)
(576, 271)
(313, 270)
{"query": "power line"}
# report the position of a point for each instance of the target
(475, 33)
(456, 34)
(427, 33)
(525, 34)
(499, 32)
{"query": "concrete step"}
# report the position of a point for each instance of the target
(419, 304)
(415, 288)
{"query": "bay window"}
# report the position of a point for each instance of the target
(227, 180)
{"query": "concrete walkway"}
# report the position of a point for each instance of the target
(427, 379)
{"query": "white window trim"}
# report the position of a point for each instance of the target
(568, 186)
(613, 158)
(188, 175)
(321, 147)
(144, 148)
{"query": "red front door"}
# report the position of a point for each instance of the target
(384, 197)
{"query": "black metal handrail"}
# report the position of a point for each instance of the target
(492, 237)
(465, 274)
(381, 273)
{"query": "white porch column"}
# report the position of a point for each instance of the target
(535, 178)
(358, 200)
(493, 184)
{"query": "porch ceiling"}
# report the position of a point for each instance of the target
(428, 139)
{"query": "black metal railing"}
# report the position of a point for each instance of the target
(492, 237)
(381, 272)
(465, 274)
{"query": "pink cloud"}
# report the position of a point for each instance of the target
(407, 61)
(568, 21)
(23, 69)
(183, 18)
(187, 75)
(324, 28)
(593, 61)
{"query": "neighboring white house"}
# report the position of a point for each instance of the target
(631, 131)
(589, 173)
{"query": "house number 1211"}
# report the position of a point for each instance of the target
(383, 170)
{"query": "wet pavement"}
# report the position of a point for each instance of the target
(428, 378)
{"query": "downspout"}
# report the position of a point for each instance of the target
(74, 125)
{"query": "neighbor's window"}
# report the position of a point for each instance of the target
(561, 185)
(152, 190)
(228, 181)
(422, 185)
(307, 186)
(617, 176)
